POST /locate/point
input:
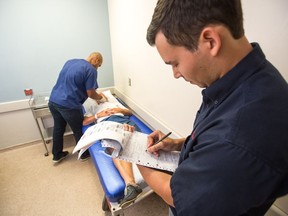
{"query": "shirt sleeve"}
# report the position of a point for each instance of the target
(91, 79)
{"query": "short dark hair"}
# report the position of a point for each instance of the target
(182, 21)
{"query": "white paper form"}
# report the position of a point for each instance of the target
(134, 151)
(102, 130)
(127, 146)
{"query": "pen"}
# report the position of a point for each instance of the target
(164, 137)
(160, 140)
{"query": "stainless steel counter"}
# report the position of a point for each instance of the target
(43, 118)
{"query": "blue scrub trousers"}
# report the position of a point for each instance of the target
(62, 116)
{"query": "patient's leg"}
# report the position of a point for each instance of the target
(125, 170)
(132, 190)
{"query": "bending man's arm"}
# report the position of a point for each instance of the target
(159, 182)
(99, 97)
(104, 113)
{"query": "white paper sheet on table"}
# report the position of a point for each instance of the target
(127, 146)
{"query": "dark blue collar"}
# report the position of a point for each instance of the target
(216, 92)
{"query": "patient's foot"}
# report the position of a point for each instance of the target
(85, 156)
(132, 192)
(60, 157)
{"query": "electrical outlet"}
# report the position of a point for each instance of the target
(129, 81)
(28, 92)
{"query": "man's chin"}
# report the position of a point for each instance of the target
(198, 84)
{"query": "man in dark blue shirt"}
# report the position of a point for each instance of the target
(77, 81)
(235, 161)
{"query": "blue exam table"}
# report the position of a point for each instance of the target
(111, 181)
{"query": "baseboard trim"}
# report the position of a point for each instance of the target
(21, 145)
(277, 211)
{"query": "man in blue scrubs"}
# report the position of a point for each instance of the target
(77, 81)
(235, 161)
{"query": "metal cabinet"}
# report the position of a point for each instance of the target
(44, 119)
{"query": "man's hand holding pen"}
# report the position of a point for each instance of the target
(159, 141)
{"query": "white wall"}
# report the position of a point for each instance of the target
(38, 36)
(17, 124)
(266, 22)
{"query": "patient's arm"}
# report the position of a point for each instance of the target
(104, 113)
(88, 120)
(112, 111)
(125, 112)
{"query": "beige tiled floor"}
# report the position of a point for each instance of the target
(31, 185)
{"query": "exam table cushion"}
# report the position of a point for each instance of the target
(111, 181)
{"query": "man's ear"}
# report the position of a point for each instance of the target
(211, 39)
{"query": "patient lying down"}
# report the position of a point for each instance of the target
(115, 111)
